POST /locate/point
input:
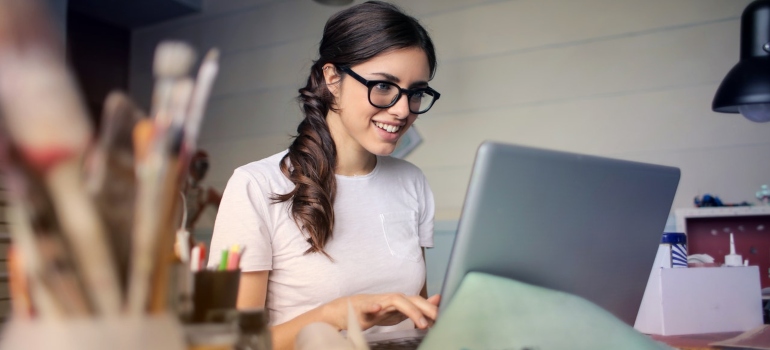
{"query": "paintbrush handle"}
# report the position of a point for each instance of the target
(166, 235)
(78, 218)
(45, 301)
(150, 172)
(204, 82)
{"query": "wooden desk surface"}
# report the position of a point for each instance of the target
(694, 341)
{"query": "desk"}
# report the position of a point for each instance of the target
(694, 341)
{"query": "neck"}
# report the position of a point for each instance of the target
(352, 159)
(351, 164)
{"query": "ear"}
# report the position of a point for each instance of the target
(332, 78)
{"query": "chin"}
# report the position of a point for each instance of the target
(382, 151)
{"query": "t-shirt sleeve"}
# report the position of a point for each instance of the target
(243, 219)
(427, 212)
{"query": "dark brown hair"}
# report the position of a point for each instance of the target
(350, 37)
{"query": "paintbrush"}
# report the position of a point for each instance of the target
(170, 204)
(56, 288)
(205, 80)
(172, 61)
(110, 176)
(185, 125)
(39, 101)
(18, 286)
(150, 168)
(157, 174)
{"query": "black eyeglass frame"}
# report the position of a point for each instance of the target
(370, 84)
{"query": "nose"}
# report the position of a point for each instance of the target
(401, 108)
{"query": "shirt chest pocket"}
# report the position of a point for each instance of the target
(400, 229)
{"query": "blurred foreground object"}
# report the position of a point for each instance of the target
(48, 135)
(92, 218)
(320, 335)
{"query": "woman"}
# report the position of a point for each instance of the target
(333, 219)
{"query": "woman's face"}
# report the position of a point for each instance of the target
(363, 126)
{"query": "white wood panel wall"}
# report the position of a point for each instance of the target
(629, 79)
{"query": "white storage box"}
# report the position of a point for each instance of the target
(701, 300)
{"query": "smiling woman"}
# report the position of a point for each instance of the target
(334, 218)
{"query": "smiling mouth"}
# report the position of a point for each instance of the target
(389, 128)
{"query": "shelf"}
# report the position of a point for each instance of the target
(683, 214)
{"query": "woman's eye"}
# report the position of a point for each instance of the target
(383, 87)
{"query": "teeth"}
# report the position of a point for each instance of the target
(387, 127)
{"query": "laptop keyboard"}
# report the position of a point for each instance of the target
(396, 344)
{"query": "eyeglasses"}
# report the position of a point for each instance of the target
(385, 94)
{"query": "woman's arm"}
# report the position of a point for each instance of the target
(372, 310)
(376, 309)
(251, 294)
(252, 290)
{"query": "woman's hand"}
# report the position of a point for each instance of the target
(384, 310)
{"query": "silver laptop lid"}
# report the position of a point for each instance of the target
(586, 225)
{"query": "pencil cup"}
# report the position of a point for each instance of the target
(214, 294)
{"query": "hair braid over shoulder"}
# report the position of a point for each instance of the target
(312, 158)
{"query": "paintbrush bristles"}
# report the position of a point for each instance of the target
(173, 59)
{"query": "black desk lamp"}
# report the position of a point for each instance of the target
(746, 88)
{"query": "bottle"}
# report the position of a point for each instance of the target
(674, 244)
(733, 259)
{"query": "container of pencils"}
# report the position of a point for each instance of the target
(214, 293)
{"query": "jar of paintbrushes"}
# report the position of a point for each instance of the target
(93, 213)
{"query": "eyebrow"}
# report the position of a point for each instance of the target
(395, 79)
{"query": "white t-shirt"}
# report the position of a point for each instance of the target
(381, 221)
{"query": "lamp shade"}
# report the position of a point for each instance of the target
(746, 88)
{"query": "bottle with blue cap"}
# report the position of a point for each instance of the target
(674, 246)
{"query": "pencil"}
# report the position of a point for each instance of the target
(223, 260)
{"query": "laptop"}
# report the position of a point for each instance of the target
(581, 224)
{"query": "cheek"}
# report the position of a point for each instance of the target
(357, 107)
(411, 120)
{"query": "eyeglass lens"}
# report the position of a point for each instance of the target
(385, 94)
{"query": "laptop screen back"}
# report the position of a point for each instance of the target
(585, 225)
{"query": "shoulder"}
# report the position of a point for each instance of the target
(265, 165)
(265, 171)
